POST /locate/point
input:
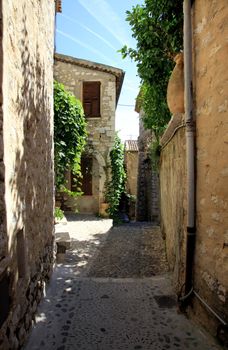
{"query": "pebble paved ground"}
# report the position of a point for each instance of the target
(112, 292)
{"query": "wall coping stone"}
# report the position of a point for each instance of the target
(176, 122)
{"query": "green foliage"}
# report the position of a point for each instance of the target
(69, 134)
(116, 186)
(131, 197)
(59, 214)
(154, 154)
(157, 27)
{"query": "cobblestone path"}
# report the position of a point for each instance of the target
(112, 292)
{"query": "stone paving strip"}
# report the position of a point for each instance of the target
(104, 296)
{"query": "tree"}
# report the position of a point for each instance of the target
(69, 134)
(157, 26)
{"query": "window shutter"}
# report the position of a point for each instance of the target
(58, 5)
(91, 98)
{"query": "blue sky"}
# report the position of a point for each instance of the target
(95, 30)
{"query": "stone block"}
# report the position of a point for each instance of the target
(13, 342)
(63, 241)
(28, 321)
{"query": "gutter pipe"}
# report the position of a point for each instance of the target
(190, 147)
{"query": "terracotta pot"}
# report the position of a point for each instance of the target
(175, 90)
(103, 210)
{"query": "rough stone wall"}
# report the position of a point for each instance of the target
(210, 79)
(210, 32)
(142, 212)
(131, 159)
(131, 163)
(173, 200)
(147, 205)
(3, 235)
(101, 130)
(155, 200)
(28, 41)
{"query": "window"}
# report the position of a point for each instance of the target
(91, 98)
(86, 181)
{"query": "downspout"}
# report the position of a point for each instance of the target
(190, 147)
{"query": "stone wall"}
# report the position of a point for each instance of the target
(210, 32)
(3, 235)
(131, 164)
(155, 197)
(147, 205)
(131, 158)
(72, 72)
(173, 198)
(144, 190)
(210, 77)
(28, 41)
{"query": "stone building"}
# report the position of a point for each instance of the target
(131, 165)
(210, 115)
(98, 87)
(26, 162)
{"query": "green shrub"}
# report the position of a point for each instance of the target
(157, 26)
(59, 214)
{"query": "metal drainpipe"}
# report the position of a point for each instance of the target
(190, 147)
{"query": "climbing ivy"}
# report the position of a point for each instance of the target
(69, 134)
(116, 186)
(154, 154)
(157, 27)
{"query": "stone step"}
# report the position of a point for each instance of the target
(63, 241)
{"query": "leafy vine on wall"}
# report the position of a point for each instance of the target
(116, 186)
(69, 135)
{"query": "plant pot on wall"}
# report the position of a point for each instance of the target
(175, 89)
(103, 210)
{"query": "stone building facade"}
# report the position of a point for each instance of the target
(131, 165)
(26, 162)
(83, 77)
(210, 96)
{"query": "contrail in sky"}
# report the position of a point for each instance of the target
(88, 47)
(90, 31)
(107, 17)
(130, 88)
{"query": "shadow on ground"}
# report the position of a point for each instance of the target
(104, 295)
(100, 250)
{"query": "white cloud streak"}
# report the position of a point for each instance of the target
(88, 47)
(107, 17)
(90, 31)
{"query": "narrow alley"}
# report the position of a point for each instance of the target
(112, 290)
